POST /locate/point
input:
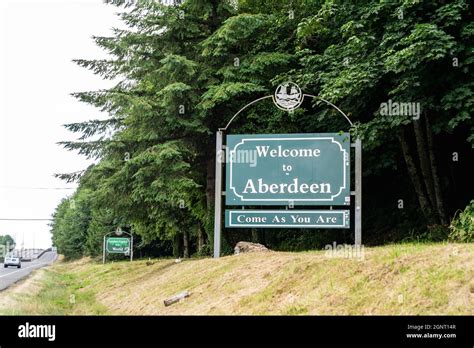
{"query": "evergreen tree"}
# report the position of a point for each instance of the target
(185, 69)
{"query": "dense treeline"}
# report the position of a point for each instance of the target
(183, 70)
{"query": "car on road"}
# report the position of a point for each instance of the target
(12, 261)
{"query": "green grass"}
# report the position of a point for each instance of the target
(59, 295)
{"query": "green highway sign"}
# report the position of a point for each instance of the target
(287, 218)
(115, 245)
(288, 169)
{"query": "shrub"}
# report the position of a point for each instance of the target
(462, 225)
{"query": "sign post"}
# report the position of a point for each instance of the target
(103, 252)
(218, 194)
(358, 193)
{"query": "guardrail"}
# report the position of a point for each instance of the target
(43, 252)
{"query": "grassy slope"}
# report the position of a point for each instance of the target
(394, 279)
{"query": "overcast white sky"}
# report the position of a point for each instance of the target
(38, 40)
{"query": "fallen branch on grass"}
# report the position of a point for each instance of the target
(176, 298)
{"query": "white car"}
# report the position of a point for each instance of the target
(12, 261)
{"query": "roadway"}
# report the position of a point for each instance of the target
(11, 275)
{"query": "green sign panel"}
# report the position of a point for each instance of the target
(116, 245)
(288, 169)
(287, 218)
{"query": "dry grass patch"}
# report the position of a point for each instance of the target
(32, 285)
(393, 279)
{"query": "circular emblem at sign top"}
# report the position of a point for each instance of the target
(288, 96)
(118, 231)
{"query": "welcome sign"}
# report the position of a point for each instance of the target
(116, 245)
(288, 169)
(310, 170)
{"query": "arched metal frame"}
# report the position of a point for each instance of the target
(218, 175)
(131, 245)
(271, 96)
